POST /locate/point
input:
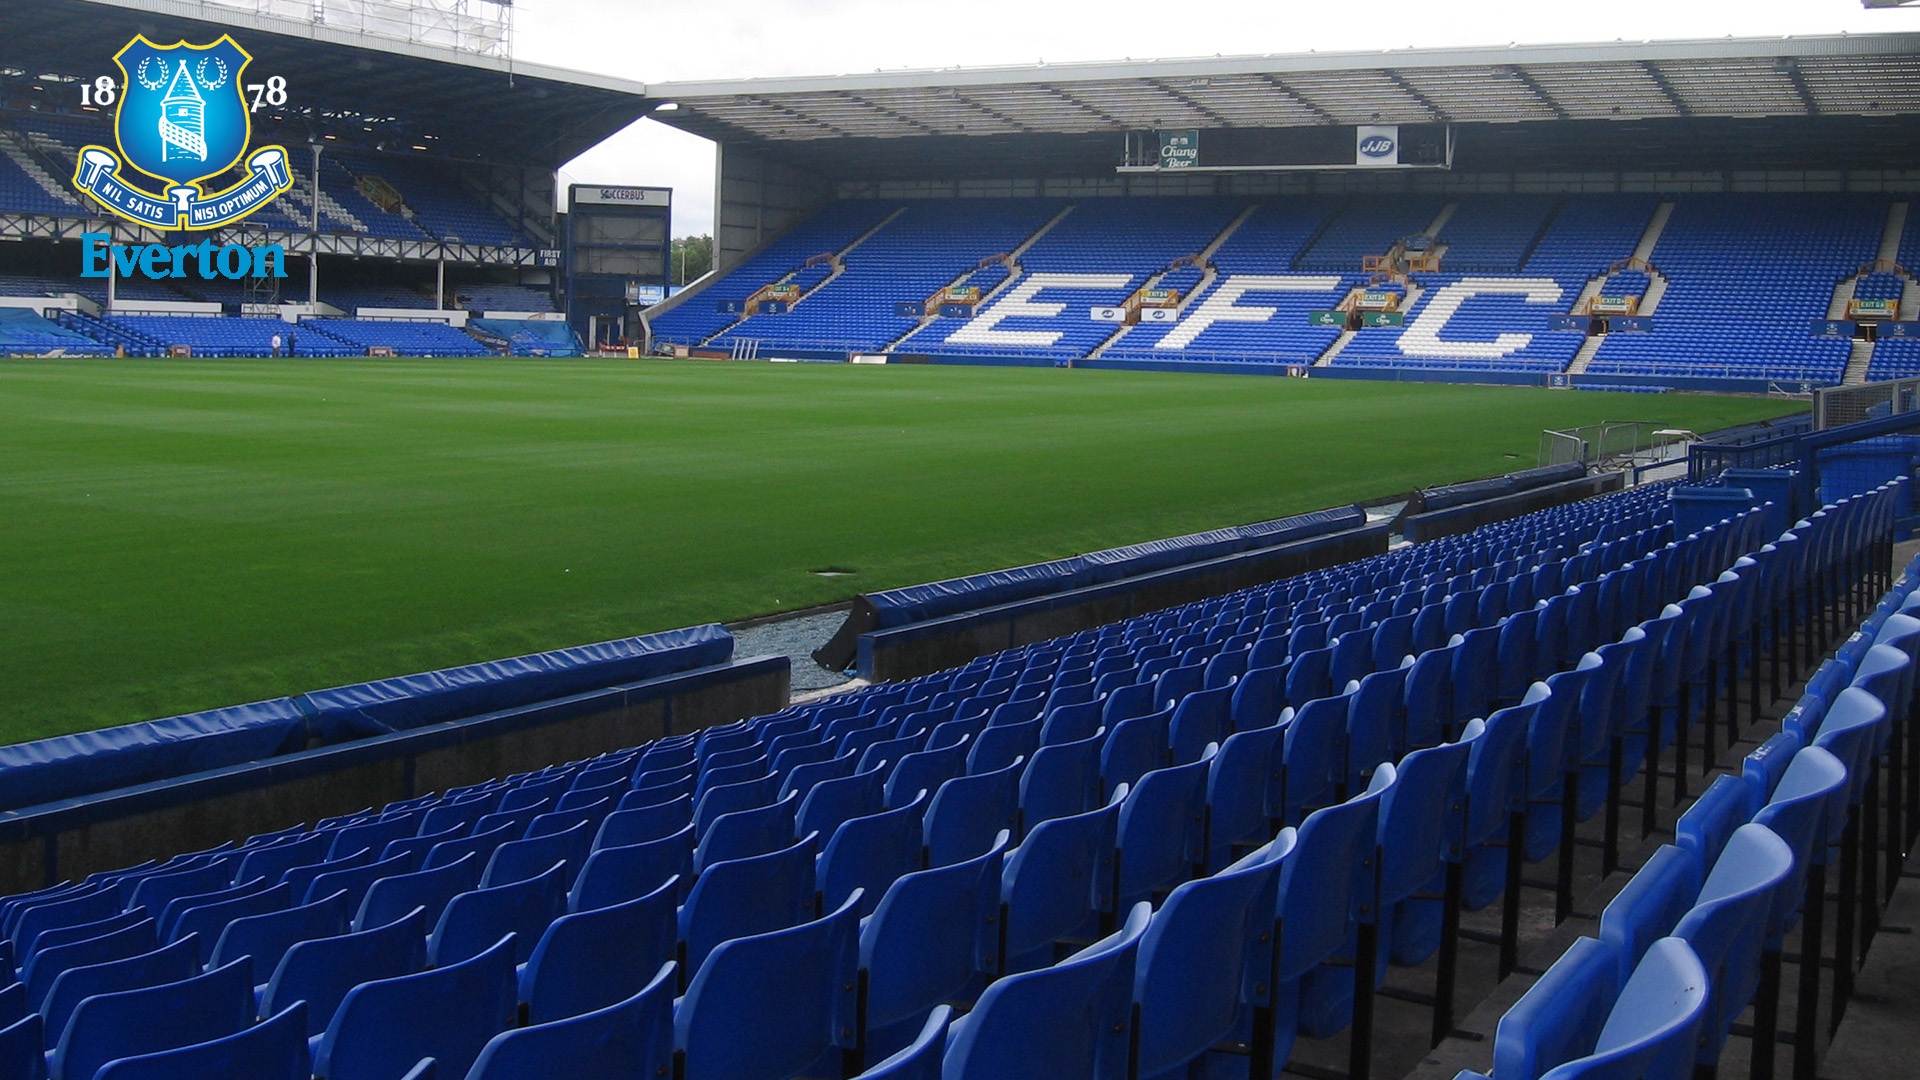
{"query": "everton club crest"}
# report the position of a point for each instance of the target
(182, 120)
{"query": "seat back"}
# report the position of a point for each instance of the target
(1650, 1031)
(384, 1026)
(832, 803)
(868, 853)
(169, 963)
(321, 971)
(594, 959)
(1245, 789)
(1328, 882)
(927, 769)
(106, 1027)
(1560, 1017)
(519, 860)
(755, 830)
(931, 934)
(630, 1037)
(206, 921)
(1162, 831)
(616, 874)
(770, 1004)
(1706, 826)
(47, 964)
(1071, 1019)
(623, 827)
(969, 811)
(1376, 723)
(1813, 782)
(1134, 747)
(273, 860)
(1727, 926)
(1061, 779)
(473, 921)
(1852, 731)
(1650, 905)
(1423, 818)
(1201, 719)
(1259, 696)
(1314, 756)
(742, 897)
(1059, 877)
(267, 937)
(273, 1049)
(1205, 952)
(919, 1059)
(392, 897)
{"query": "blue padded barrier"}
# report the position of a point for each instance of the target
(67, 766)
(1467, 516)
(921, 647)
(410, 701)
(939, 599)
(71, 766)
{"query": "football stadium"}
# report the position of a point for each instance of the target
(1347, 564)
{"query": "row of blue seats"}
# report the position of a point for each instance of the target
(709, 742)
(1700, 930)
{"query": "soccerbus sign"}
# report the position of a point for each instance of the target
(182, 116)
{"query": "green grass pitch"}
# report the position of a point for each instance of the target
(178, 535)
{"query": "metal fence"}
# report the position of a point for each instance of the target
(1838, 406)
(1611, 443)
(1806, 452)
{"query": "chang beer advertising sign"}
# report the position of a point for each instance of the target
(1179, 149)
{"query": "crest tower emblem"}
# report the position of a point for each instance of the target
(182, 120)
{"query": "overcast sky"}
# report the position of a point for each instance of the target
(657, 41)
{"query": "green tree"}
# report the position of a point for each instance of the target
(692, 256)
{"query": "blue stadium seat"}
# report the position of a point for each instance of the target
(1072, 1018)
(932, 934)
(107, 1027)
(590, 960)
(384, 1025)
(764, 1006)
(273, 1049)
(473, 921)
(321, 971)
(631, 1037)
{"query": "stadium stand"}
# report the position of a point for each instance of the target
(1097, 256)
(1747, 273)
(25, 332)
(497, 297)
(439, 205)
(1509, 264)
(353, 297)
(427, 338)
(1368, 227)
(207, 335)
(528, 337)
(1213, 753)
(830, 230)
(1266, 244)
(913, 256)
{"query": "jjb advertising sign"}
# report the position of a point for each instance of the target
(1376, 145)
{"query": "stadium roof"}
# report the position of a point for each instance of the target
(883, 122)
(457, 103)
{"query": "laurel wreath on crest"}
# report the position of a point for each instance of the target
(141, 73)
(217, 81)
